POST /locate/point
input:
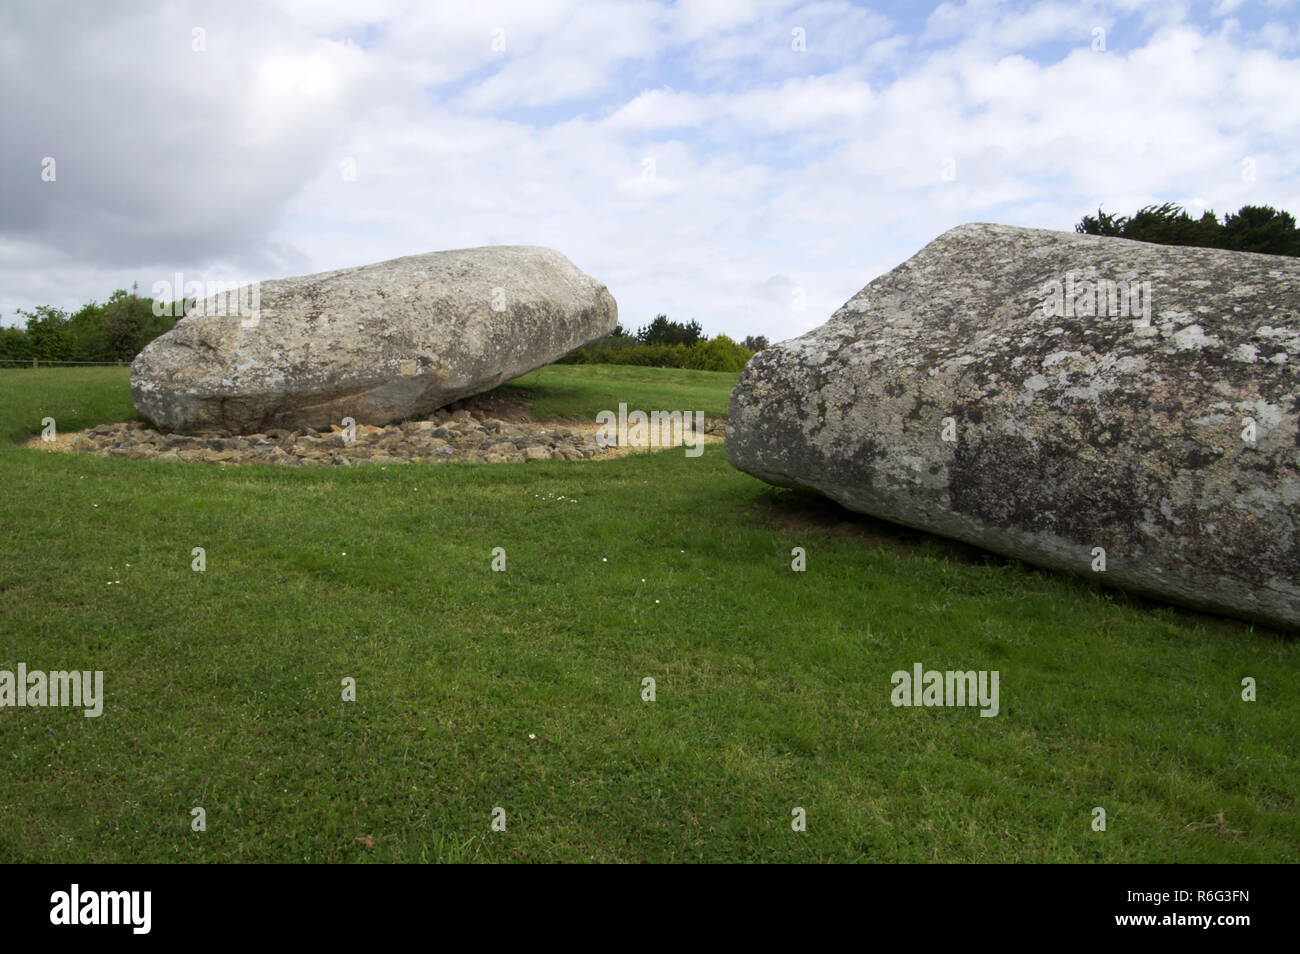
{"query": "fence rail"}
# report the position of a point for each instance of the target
(39, 362)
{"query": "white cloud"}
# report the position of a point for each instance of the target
(771, 170)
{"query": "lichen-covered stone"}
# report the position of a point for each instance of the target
(376, 343)
(956, 394)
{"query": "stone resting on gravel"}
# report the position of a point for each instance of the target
(1115, 408)
(376, 343)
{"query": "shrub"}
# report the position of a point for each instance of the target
(117, 330)
(718, 354)
(1253, 228)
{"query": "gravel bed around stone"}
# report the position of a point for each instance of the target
(447, 435)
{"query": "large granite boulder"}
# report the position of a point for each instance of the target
(376, 343)
(999, 389)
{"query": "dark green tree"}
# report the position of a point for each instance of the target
(47, 333)
(115, 331)
(1252, 229)
(666, 332)
(1262, 228)
(129, 323)
(14, 345)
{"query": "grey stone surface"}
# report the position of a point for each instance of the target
(1072, 431)
(448, 435)
(376, 343)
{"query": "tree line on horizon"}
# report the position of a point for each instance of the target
(1252, 228)
(119, 328)
(114, 330)
(665, 343)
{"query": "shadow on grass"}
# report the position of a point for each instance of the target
(807, 512)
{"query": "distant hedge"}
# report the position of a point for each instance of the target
(716, 354)
(113, 331)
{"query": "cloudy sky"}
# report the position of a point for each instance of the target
(747, 163)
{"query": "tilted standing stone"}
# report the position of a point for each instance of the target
(1070, 400)
(376, 343)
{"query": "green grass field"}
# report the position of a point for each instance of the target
(523, 689)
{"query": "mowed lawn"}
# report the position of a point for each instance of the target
(522, 690)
